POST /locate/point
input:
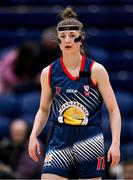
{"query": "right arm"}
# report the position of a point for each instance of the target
(41, 115)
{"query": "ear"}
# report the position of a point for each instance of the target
(58, 40)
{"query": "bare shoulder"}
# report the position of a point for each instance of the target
(45, 76)
(99, 68)
(45, 71)
(98, 72)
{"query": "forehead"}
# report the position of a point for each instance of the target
(69, 32)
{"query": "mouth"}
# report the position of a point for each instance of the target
(68, 47)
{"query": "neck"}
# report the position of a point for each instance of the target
(72, 61)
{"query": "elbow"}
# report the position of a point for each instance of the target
(115, 111)
(44, 109)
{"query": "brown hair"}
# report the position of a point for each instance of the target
(68, 17)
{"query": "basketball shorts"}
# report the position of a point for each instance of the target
(75, 152)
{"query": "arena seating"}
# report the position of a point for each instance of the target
(109, 37)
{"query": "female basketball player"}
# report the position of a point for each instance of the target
(75, 87)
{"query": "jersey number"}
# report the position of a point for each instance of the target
(100, 163)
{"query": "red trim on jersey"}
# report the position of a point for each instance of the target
(83, 63)
(90, 69)
(68, 73)
(49, 74)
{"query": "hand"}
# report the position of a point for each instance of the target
(34, 148)
(113, 155)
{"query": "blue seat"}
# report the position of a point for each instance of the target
(120, 61)
(28, 105)
(4, 126)
(127, 152)
(17, 36)
(57, 2)
(29, 118)
(52, 2)
(125, 100)
(8, 105)
(125, 1)
(110, 39)
(122, 80)
(127, 130)
(39, 2)
(106, 128)
(95, 37)
(38, 18)
(99, 54)
(89, 15)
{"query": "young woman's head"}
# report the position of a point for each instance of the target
(70, 32)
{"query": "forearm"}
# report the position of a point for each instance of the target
(115, 121)
(39, 122)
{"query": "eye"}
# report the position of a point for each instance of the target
(72, 36)
(62, 36)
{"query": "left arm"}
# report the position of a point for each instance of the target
(100, 76)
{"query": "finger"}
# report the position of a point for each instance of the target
(108, 157)
(38, 148)
(117, 159)
(34, 156)
(113, 162)
(32, 153)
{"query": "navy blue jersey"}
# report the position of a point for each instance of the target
(76, 100)
(76, 142)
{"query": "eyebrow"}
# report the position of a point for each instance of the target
(62, 33)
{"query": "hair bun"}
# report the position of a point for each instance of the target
(68, 13)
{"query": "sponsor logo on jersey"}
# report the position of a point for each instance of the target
(73, 113)
(71, 90)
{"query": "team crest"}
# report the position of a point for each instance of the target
(58, 89)
(86, 90)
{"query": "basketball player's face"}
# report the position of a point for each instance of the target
(67, 41)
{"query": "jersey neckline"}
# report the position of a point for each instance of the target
(68, 73)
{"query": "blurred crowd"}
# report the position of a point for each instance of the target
(15, 162)
(20, 69)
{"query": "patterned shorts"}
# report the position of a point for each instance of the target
(75, 152)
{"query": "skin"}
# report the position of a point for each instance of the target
(72, 61)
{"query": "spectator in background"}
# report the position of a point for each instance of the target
(128, 169)
(18, 68)
(15, 162)
(49, 47)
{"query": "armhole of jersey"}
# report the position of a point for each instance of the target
(49, 75)
(90, 69)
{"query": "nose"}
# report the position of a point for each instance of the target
(67, 39)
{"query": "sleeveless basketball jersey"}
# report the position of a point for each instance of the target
(76, 100)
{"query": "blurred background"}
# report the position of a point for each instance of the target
(28, 44)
